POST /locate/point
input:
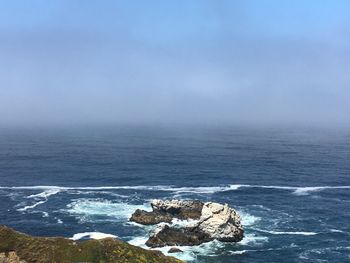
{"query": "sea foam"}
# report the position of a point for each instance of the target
(90, 209)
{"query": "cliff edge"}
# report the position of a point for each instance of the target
(16, 247)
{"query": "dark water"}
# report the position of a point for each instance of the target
(291, 186)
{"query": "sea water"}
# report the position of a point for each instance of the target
(290, 185)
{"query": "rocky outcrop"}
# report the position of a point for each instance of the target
(215, 222)
(174, 250)
(221, 222)
(150, 218)
(165, 235)
(16, 247)
(166, 211)
(181, 209)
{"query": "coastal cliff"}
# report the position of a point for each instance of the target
(16, 247)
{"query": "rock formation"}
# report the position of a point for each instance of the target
(174, 250)
(181, 209)
(221, 222)
(150, 218)
(165, 211)
(165, 235)
(215, 221)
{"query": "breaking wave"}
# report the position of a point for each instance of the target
(41, 198)
(30, 206)
(287, 232)
(91, 210)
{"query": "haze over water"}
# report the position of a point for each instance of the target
(184, 62)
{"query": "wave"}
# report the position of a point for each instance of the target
(248, 219)
(246, 251)
(286, 232)
(337, 231)
(336, 250)
(42, 197)
(45, 194)
(92, 235)
(238, 252)
(252, 240)
(30, 206)
(297, 190)
(45, 214)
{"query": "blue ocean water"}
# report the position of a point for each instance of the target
(291, 185)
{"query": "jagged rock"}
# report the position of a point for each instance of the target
(221, 222)
(216, 221)
(174, 250)
(165, 211)
(182, 209)
(150, 218)
(165, 235)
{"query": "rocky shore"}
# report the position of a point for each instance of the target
(210, 221)
(201, 222)
(16, 247)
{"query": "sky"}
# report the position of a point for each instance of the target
(176, 61)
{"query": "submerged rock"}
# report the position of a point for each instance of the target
(174, 250)
(16, 247)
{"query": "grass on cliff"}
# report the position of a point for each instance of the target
(62, 250)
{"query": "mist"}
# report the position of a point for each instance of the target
(211, 62)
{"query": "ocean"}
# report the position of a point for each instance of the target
(291, 185)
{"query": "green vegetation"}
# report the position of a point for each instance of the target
(62, 250)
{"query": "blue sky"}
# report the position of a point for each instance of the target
(263, 62)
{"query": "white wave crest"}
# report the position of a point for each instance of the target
(286, 232)
(45, 194)
(296, 189)
(168, 188)
(42, 197)
(307, 190)
(92, 235)
(248, 219)
(238, 252)
(30, 206)
(253, 240)
(336, 231)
